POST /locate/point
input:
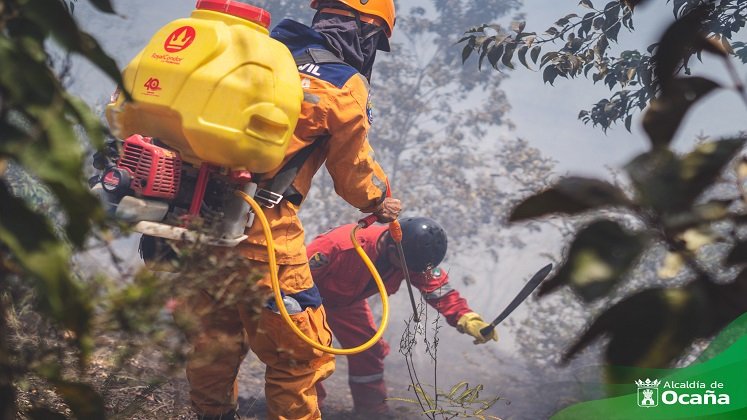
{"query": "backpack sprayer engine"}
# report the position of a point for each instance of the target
(164, 196)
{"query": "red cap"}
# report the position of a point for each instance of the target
(234, 8)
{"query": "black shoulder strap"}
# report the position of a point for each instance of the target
(282, 182)
(317, 56)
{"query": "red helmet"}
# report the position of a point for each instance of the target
(382, 9)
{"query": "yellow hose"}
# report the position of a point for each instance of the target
(279, 298)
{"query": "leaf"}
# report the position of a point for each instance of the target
(613, 31)
(633, 3)
(611, 12)
(523, 56)
(701, 167)
(601, 46)
(572, 195)
(598, 23)
(665, 113)
(495, 54)
(655, 176)
(550, 74)
(518, 26)
(456, 388)
(738, 254)
(586, 3)
(586, 22)
(508, 55)
(697, 215)
(467, 50)
(535, 53)
(649, 329)
(628, 122)
(103, 5)
(678, 42)
(599, 257)
(46, 259)
(672, 265)
(52, 14)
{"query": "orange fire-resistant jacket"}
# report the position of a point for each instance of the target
(335, 107)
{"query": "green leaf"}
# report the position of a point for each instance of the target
(571, 196)
(655, 176)
(53, 15)
(699, 215)
(649, 329)
(678, 42)
(703, 166)
(665, 113)
(34, 245)
(670, 185)
(600, 255)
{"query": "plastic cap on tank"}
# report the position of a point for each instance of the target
(237, 8)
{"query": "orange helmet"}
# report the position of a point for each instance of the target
(383, 9)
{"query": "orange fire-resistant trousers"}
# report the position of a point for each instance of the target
(224, 334)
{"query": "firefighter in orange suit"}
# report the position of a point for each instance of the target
(345, 283)
(334, 56)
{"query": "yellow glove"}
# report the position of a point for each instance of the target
(471, 323)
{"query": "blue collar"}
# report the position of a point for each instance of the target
(297, 36)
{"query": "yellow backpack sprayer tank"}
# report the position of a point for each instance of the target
(215, 99)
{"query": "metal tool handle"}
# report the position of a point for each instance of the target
(487, 330)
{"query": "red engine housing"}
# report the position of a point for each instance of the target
(155, 171)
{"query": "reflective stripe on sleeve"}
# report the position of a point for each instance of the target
(365, 379)
(438, 293)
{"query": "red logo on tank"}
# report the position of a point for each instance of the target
(180, 39)
(152, 84)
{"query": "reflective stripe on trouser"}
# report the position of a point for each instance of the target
(353, 325)
(221, 337)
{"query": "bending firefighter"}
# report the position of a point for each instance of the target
(345, 283)
(334, 56)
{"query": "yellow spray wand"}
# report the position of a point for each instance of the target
(395, 230)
